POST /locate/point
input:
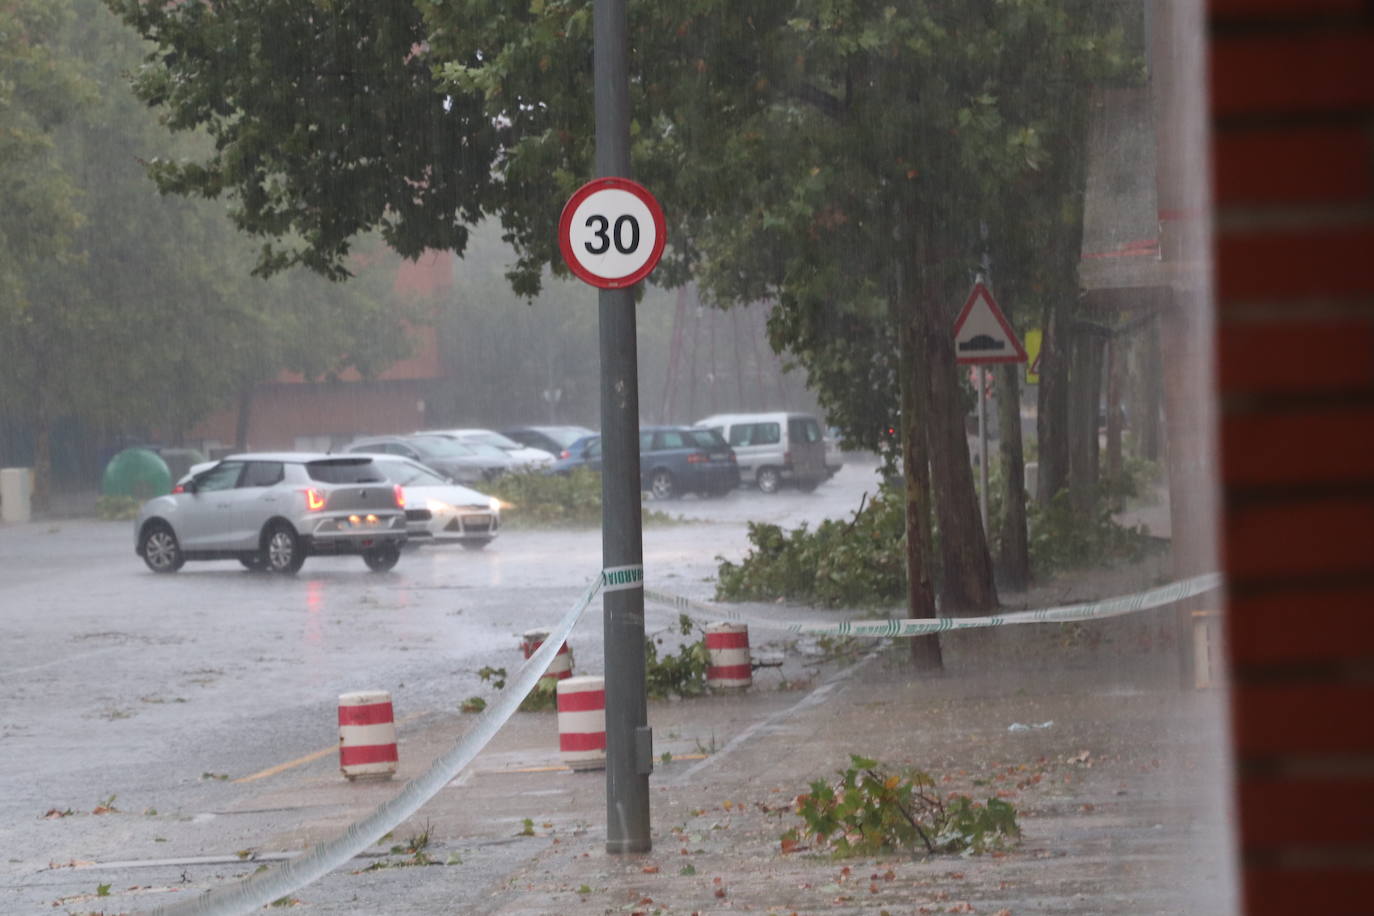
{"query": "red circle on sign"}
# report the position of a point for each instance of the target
(587, 267)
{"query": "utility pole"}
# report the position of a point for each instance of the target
(629, 742)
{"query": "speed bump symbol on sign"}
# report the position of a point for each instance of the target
(611, 233)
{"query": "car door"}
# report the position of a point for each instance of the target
(207, 519)
(806, 446)
(593, 455)
(257, 498)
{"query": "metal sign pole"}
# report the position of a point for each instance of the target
(983, 443)
(629, 751)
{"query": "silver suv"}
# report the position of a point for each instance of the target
(272, 510)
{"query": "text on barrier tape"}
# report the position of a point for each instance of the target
(622, 578)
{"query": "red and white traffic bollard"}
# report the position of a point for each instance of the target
(367, 735)
(728, 665)
(582, 722)
(562, 665)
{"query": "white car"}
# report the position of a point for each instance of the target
(522, 456)
(271, 510)
(439, 511)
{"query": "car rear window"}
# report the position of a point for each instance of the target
(344, 470)
(706, 438)
(804, 429)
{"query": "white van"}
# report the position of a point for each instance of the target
(774, 448)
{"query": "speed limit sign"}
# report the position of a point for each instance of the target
(611, 233)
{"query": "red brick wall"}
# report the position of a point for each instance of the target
(1293, 116)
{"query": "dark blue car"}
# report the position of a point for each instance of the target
(582, 453)
(672, 460)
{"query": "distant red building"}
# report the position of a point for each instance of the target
(292, 412)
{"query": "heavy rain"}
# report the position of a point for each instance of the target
(309, 393)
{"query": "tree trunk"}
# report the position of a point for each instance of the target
(244, 420)
(925, 650)
(42, 458)
(1115, 370)
(1013, 554)
(966, 585)
(1147, 417)
(1084, 396)
(1052, 416)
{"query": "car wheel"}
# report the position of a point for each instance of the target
(283, 550)
(380, 559)
(254, 562)
(662, 485)
(160, 548)
(476, 544)
(768, 480)
(808, 486)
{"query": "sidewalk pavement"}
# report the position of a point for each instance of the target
(1116, 777)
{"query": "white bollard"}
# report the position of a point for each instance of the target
(728, 666)
(562, 665)
(367, 735)
(15, 494)
(582, 722)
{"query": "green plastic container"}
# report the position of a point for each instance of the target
(136, 472)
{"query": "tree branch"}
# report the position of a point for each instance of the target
(822, 101)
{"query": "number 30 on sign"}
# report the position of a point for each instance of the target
(611, 233)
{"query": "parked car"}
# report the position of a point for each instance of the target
(682, 459)
(583, 453)
(672, 460)
(463, 462)
(552, 439)
(522, 456)
(774, 448)
(271, 510)
(439, 511)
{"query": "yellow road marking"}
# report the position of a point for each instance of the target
(308, 758)
(283, 767)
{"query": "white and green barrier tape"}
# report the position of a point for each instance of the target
(257, 891)
(1089, 610)
(252, 893)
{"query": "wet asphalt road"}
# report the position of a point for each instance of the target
(154, 694)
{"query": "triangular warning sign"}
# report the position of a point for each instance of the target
(982, 333)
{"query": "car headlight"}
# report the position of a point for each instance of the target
(495, 504)
(436, 507)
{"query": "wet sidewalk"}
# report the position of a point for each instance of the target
(1115, 777)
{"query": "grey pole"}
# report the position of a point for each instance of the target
(629, 750)
(983, 444)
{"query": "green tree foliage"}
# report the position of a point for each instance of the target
(834, 156)
(326, 123)
(130, 310)
(39, 89)
(859, 563)
(874, 810)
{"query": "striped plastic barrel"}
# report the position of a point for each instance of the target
(728, 666)
(582, 722)
(562, 665)
(367, 735)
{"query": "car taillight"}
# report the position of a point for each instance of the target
(565, 454)
(697, 458)
(178, 489)
(314, 499)
(400, 496)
